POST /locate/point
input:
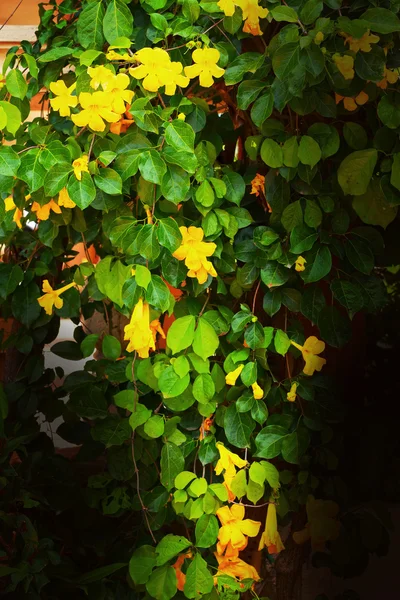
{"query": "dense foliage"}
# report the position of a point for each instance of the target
(229, 169)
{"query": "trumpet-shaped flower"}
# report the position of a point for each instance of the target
(351, 104)
(43, 211)
(258, 185)
(252, 13)
(363, 43)
(99, 76)
(140, 333)
(231, 377)
(227, 463)
(155, 327)
(64, 99)
(175, 78)
(64, 199)
(345, 65)
(300, 263)
(52, 297)
(227, 7)
(310, 350)
(235, 530)
(258, 392)
(116, 87)
(112, 55)
(389, 76)
(235, 567)
(291, 395)
(322, 525)
(9, 204)
(195, 252)
(157, 70)
(205, 66)
(80, 165)
(96, 109)
(180, 577)
(270, 538)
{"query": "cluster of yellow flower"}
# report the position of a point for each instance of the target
(310, 350)
(232, 376)
(42, 210)
(141, 332)
(251, 12)
(51, 297)
(195, 252)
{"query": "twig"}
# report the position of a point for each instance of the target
(25, 149)
(91, 146)
(253, 505)
(205, 304)
(144, 509)
(12, 14)
(255, 296)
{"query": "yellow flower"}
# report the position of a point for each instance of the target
(155, 327)
(389, 76)
(345, 65)
(291, 395)
(231, 377)
(52, 297)
(112, 55)
(182, 116)
(252, 13)
(195, 252)
(270, 538)
(311, 348)
(322, 525)
(205, 66)
(99, 76)
(18, 214)
(258, 392)
(43, 211)
(300, 262)
(352, 103)
(96, 107)
(235, 567)
(116, 87)
(65, 200)
(157, 70)
(64, 99)
(319, 38)
(80, 165)
(363, 43)
(258, 185)
(235, 529)
(228, 461)
(140, 332)
(227, 7)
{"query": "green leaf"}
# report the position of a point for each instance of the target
(31, 171)
(161, 584)
(142, 563)
(175, 184)
(126, 399)
(206, 531)
(355, 135)
(389, 110)
(309, 151)
(238, 427)
(254, 336)
(99, 574)
(259, 412)
(90, 26)
(284, 13)
(9, 161)
(56, 179)
(271, 153)
(171, 385)
(181, 333)
(168, 234)
(170, 546)
(271, 474)
(372, 206)
(239, 484)
(172, 463)
(334, 327)
(312, 214)
(110, 277)
(327, 137)
(274, 274)
(109, 181)
(199, 580)
(290, 152)
(112, 431)
(318, 265)
(292, 216)
(356, 170)
(248, 92)
(262, 109)
(248, 61)
(139, 416)
(312, 302)
(285, 60)
(302, 238)
(55, 54)
(311, 11)
(395, 172)
(359, 254)
(158, 294)
(154, 427)
(180, 136)
(25, 306)
(203, 388)
(281, 342)
(92, 405)
(117, 22)
(147, 242)
(381, 20)
(294, 445)
(81, 192)
(10, 278)
(269, 441)
(13, 116)
(205, 340)
(348, 294)
(151, 166)
(16, 84)
(111, 347)
(235, 187)
(371, 65)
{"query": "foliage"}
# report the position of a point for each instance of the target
(233, 165)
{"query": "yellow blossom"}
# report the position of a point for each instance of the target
(205, 66)
(345, 65)
(300, 263)
(235, 567)
(310, 350)
(319, 38)
(258, 185)
(116, 87)
(252, 13)
(182, 116)
(258, 392)
(9, 204)
(322, 525)
(195, 252)
(227, 7)
(227, 463)
(235, 529)
(155, 327)
(363, 43)
(157, 70)
(351, 104)
(389, 76)
(64, 99)
(175, 77)
(270, 538)
(231, 377)
(80, 165)
(43, 211)
(65, 200)
(96, 109)
(112, 55)
(140, 333)
(180, 576)
(99, 76)
(291, 395)
(52, 297)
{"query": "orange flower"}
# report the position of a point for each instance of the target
(43, 211)
(363, 43)
(205, 426)
(235, 567)
(352, 103)
(235, 530)
(270, 538)
(389, 76)
(258, 185)
(180, 577)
